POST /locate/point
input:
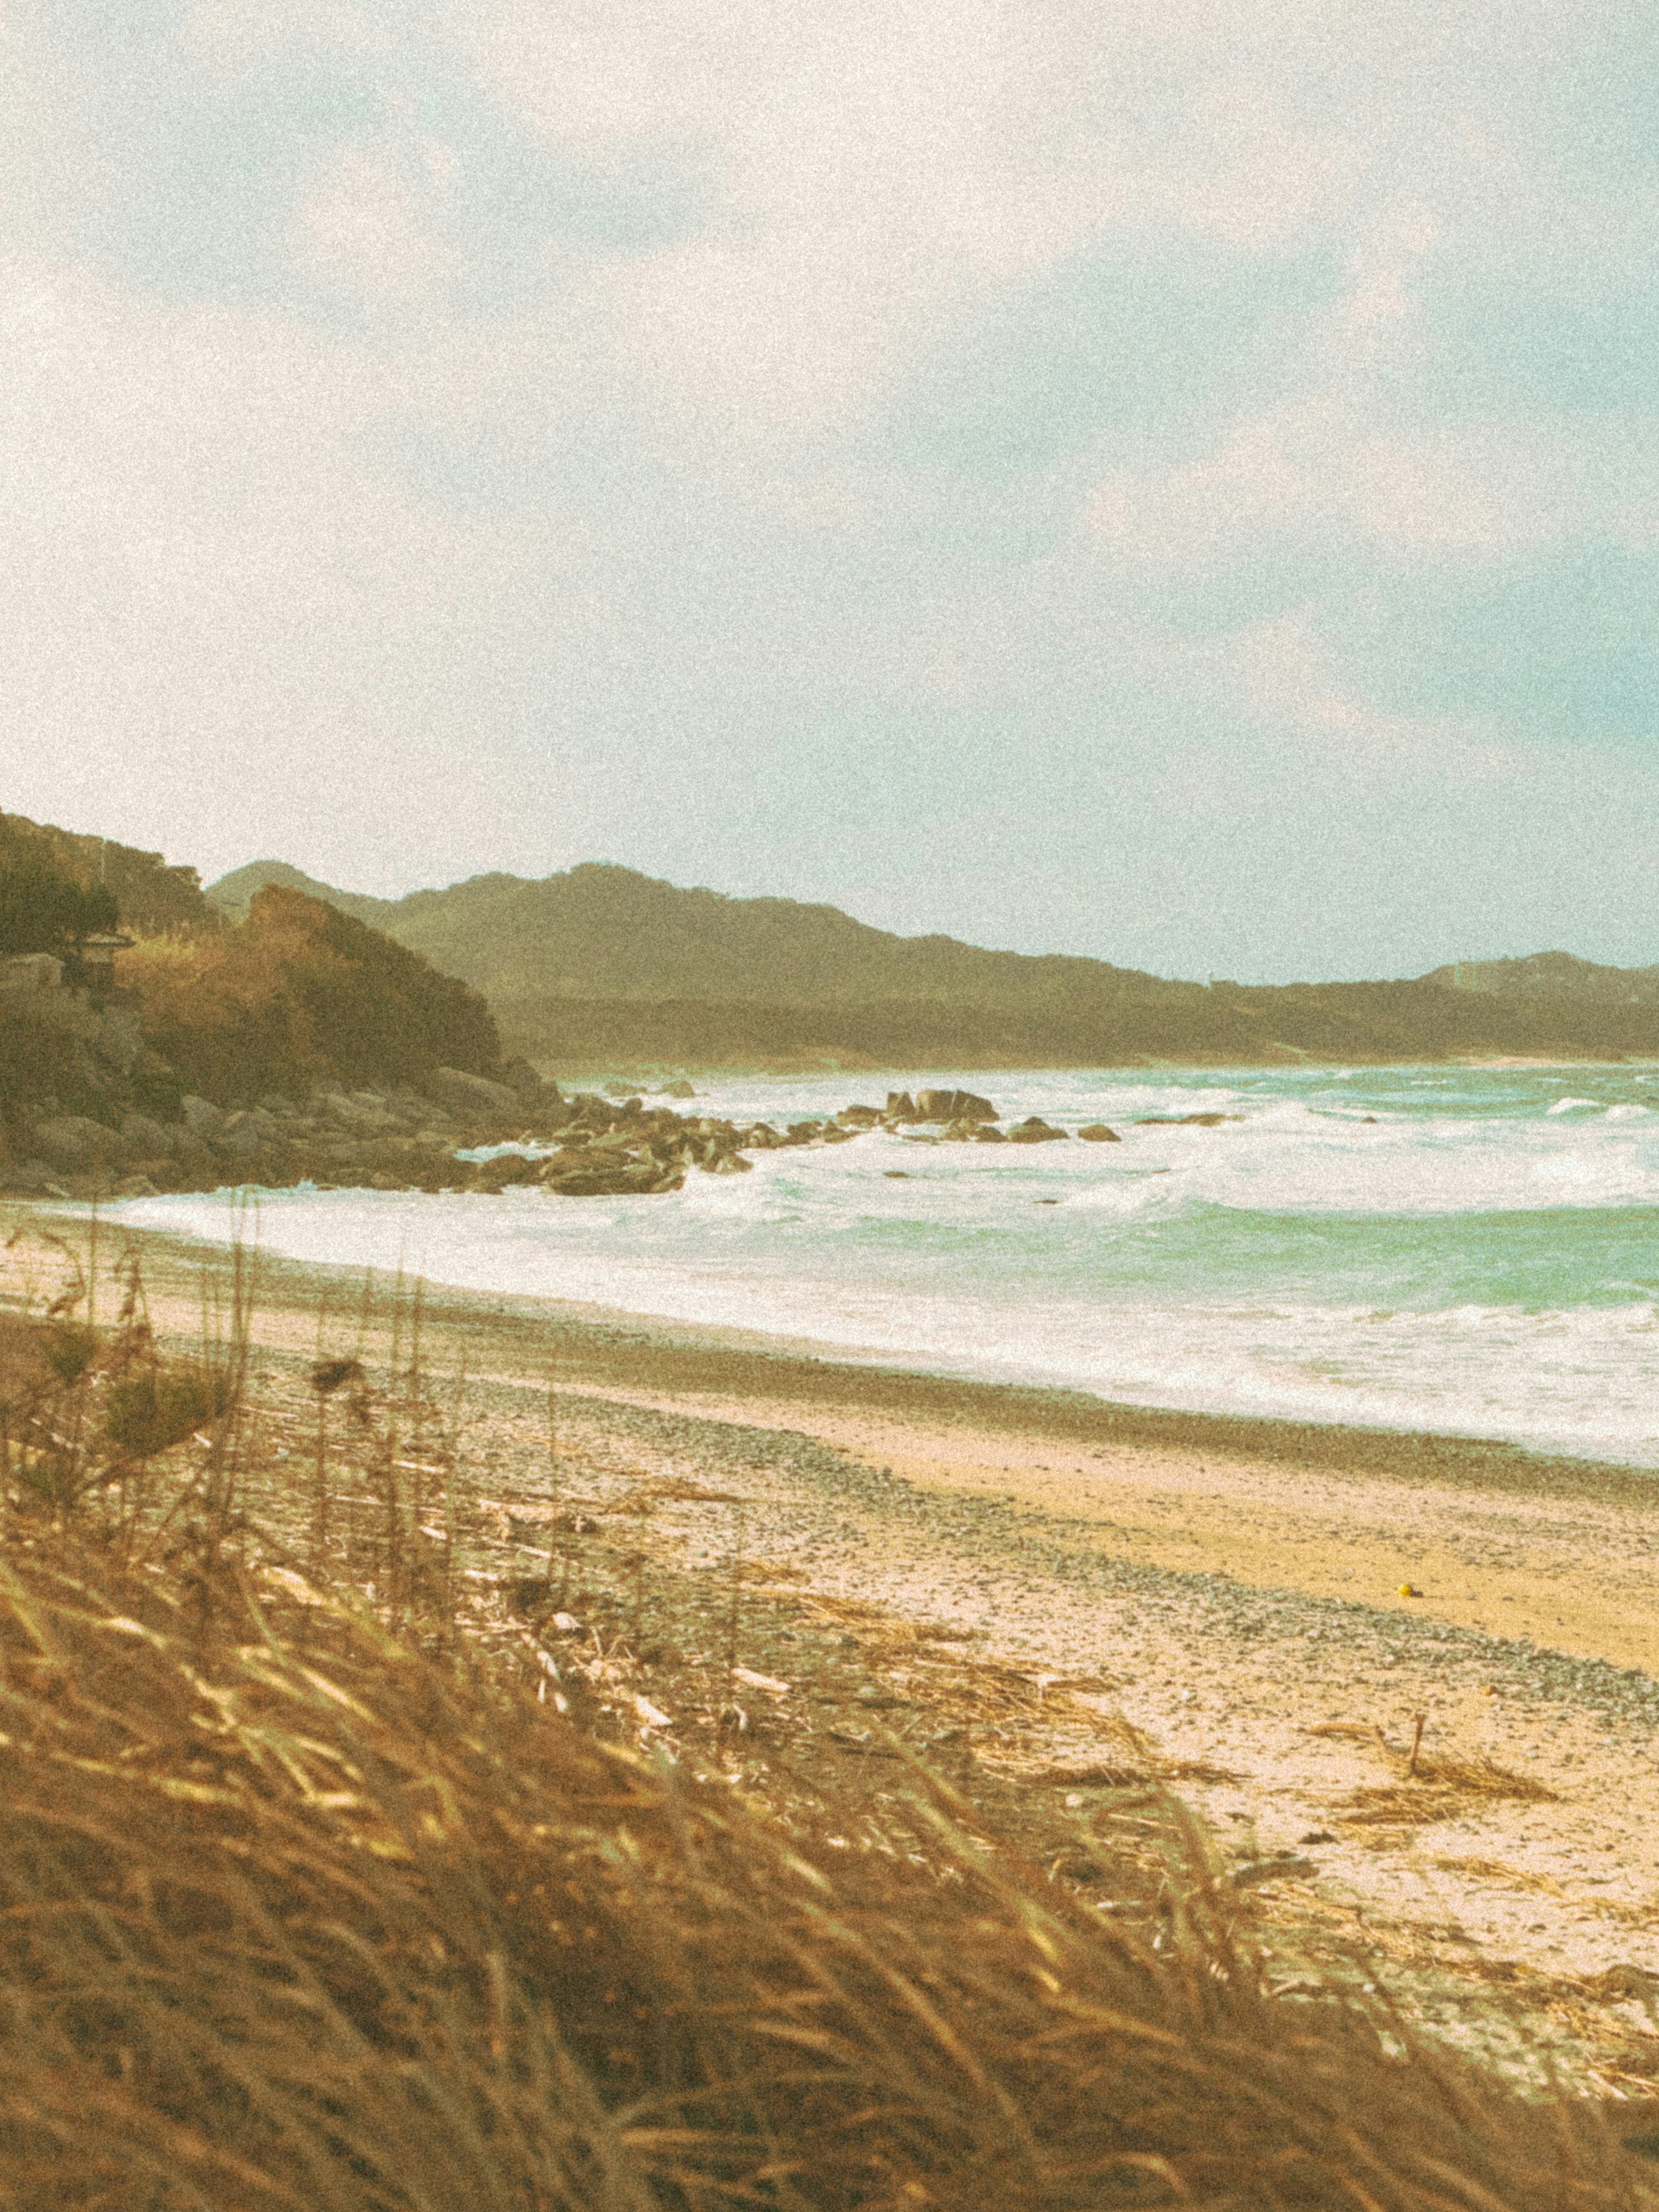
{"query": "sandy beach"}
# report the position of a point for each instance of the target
(1234, 1591)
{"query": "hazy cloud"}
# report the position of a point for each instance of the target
(1181, 482)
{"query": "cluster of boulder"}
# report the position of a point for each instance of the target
(398, 1139)
(582, 1145)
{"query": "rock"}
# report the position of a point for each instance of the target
(520, 1076)
(622, 1091)
(469, 1094)
(1034, 1131)
(727, 1163)
(602, 1175)
(987, 1133)
(953, 1106)
(1098, 1133)
(355, 1115)
(193, 1155)
(202, 1118)
(900, 1107)
(250, 1132)
(679, 1089)
(146, 1137)
(135, 1186)
(76, 1146)
(27, 1176)
(859, 1117)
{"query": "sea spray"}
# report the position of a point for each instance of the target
(1455, 1248)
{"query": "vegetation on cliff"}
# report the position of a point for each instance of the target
(44, 907)
(299, 994)
(147, 893)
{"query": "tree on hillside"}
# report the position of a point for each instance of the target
(41, 909)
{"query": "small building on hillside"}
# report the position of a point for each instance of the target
(96, 961)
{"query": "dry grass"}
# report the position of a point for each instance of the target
(303, 1904)
(1428, 1786)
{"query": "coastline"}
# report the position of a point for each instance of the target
(601, 1346)
(1233, 1588)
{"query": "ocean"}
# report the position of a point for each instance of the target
(1466, 1250)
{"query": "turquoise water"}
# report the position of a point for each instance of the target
(1475, 1250)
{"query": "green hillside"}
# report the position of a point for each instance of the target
(601, 966)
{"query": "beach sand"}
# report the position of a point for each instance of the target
(1232, 1588)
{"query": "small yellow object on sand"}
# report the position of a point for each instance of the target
(1410, 1589)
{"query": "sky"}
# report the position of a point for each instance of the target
(1177, 481)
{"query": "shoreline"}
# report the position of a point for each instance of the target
(1232, 1588)
(594, 1343)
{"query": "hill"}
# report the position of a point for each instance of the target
(297, 994)
(601, 966)
(233, 894)
(1552, 975)
(152, 896)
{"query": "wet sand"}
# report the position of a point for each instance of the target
(1237, 1585)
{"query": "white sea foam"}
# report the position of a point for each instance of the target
(1428, 1248)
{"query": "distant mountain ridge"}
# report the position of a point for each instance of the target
(599, 931)
(601, 965)
(233, 893)
(1550, 975)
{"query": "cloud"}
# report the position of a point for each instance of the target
(219, 603)
(1291, 682)
(360, 233)
(803, 446)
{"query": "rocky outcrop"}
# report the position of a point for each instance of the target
(470, 1094)
(945, 1106)
(586, 1146)
(146, 1140)
(74, 1145)
(953, 1106)
(1036, 1130)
